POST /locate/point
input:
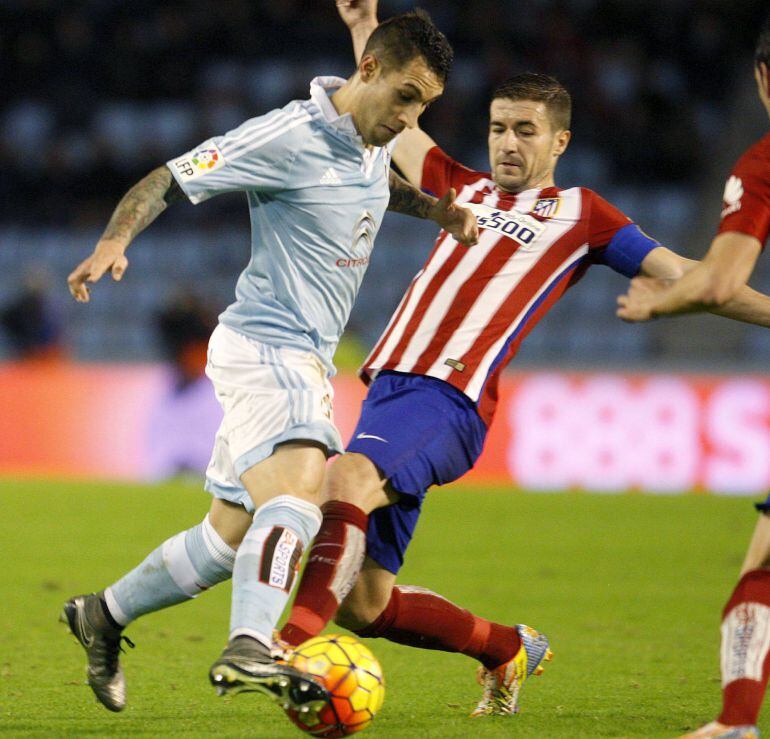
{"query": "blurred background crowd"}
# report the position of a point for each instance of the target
(97, 93)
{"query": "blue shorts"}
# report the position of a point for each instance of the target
(419, 431)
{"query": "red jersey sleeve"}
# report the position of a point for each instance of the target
(614, 239)
(604, 220)
(440, 172)
(746, 200)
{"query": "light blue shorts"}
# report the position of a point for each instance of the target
(269, 395)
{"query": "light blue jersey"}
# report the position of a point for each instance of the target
(317, 197)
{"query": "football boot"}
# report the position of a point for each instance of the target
(86, 620)
(503, 684)
(247, 665)
(715, 730)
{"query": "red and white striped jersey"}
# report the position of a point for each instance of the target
(468, 309)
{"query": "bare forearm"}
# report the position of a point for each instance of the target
(360, 35)
(140, 206)
(406, 199)
(686, 295)
(748, 306)
(715, 280)
(458, 222)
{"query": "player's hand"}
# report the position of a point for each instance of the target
(108, 255)
(638, 303)
(354, 12)
(459, 222)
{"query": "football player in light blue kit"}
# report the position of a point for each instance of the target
(317, 178)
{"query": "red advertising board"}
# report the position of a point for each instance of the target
(660, 433)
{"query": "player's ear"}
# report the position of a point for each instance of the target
(764, 77)
(561, 141)
(368, 67)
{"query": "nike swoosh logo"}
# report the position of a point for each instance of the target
(86, 634)
(372, 436)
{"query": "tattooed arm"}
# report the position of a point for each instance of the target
(140, 206)
(459, 222)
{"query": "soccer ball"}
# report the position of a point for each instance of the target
(353, 677)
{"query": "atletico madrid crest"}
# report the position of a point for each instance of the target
(546, 207)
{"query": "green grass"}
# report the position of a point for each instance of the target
(629, 589)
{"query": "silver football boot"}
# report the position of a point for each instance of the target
(102, 642)
(247, 665)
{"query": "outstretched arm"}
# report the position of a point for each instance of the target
(140, 206)
(672, 284)
(708, 285)
(458, 221)
(360, 16)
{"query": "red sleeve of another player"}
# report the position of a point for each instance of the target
(604, 221)
(440, 172)
(746, 200)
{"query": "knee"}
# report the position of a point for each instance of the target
(229, 521)
(353, 478)
(361, 609)
(356, 616)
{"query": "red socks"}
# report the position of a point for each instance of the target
(417, 617)
(745, 647)
(414, 616)
(333, 564)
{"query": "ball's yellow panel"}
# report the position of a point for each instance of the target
(360, 699)
(377, 699)
(366, 679)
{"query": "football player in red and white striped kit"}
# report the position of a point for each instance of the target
(433, 375)
(728, 264)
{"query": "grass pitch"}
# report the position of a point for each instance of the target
(628, 588)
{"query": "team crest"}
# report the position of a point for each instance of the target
(546, 207)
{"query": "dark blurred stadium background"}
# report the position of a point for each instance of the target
(97, 93)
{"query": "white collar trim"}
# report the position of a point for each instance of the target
(321, 89)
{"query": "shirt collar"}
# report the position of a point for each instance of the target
(321, 88)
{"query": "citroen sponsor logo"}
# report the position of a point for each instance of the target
(363, 242)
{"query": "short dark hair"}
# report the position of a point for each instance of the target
(540, 88)
(762, 50)
(398, 40)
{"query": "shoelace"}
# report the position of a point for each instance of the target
(281, 650)
(497, 696)
(112, 650)
(489, 682)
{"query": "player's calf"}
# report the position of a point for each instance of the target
(332, 567)
(745, 651)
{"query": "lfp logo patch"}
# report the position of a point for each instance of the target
(546, 207)
(205, 159)
(199, 162)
